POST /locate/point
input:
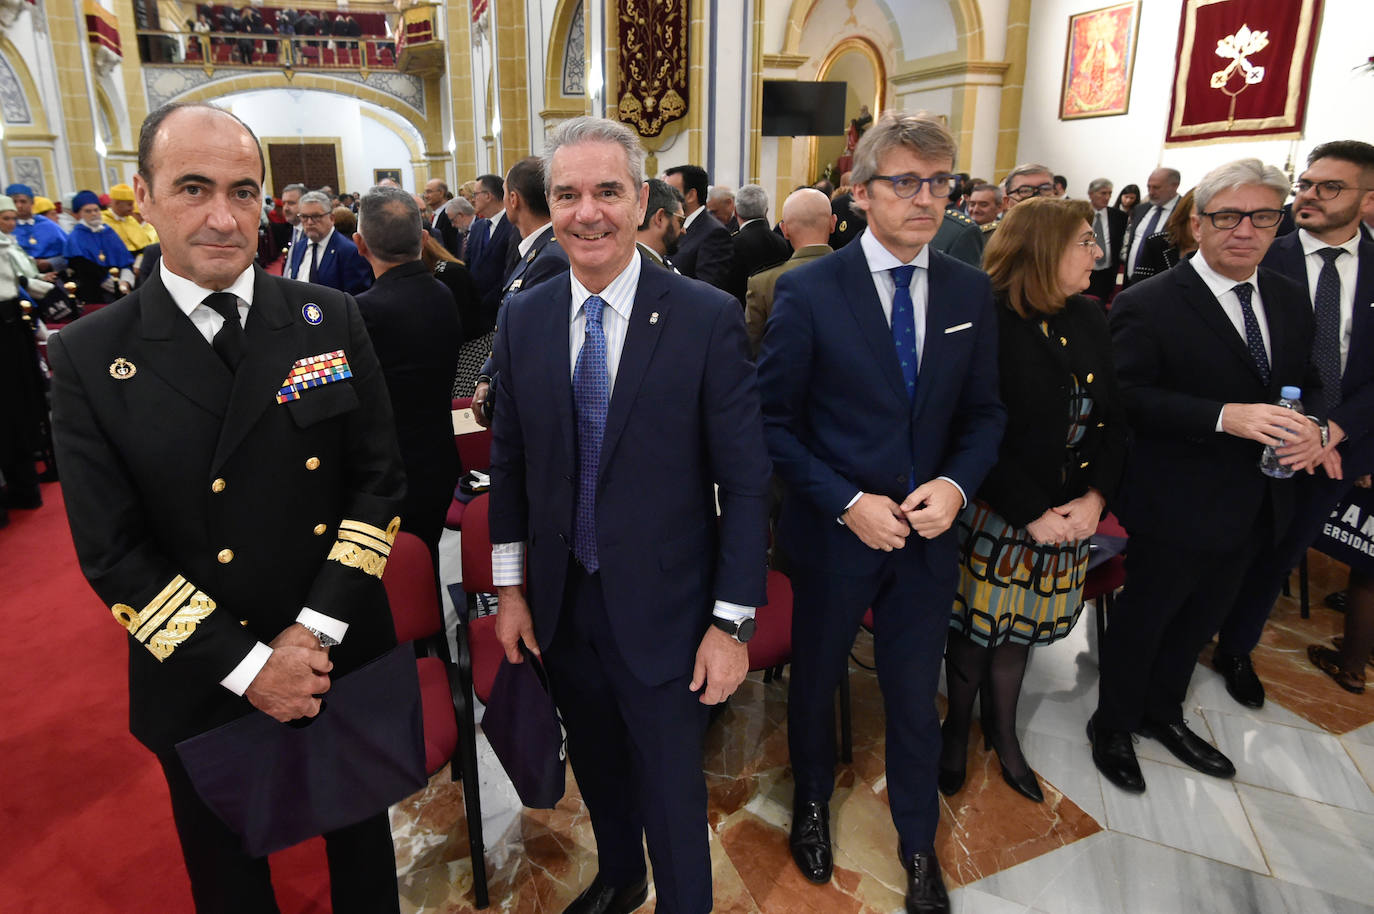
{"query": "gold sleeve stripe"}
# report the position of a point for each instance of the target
(181, 626)
(152, 623)
(387, 536)
(133, 621)
(355, 556)
(362, 539)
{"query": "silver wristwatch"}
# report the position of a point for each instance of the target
(325, 640)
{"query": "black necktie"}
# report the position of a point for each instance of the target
(229, 341)
(1326, 345)
(1254, 340)
(314, 261)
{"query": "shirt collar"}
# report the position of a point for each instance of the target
(649, 252)
(1311, 244)
(188, 295)
(23, 222)
(1218, 284)
(528, 241)
(619, 292)
(747, 221)
(880, 259)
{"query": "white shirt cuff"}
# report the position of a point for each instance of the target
(242, 676)
(732, 612)
(507, 564)
(321, 623)
(1220, 413)
(840, 520)
(962, 493)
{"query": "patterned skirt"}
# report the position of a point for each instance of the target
(1012, 588)
(471, 356)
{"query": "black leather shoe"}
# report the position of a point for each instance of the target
(1114, 756)
(925, 890)
(1337, 600)
(600, 898)
(810, 840)
(1191, 749)
(1241, 682)
(951, 782)
(1027, 785)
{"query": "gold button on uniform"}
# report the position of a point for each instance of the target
(225, 556)
(313, 463)
(218, 486)
(1090, 377)
(320, 528)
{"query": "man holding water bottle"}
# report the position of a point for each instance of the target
(1202, 354)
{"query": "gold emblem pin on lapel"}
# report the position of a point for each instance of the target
(653, 318)
(121, 369)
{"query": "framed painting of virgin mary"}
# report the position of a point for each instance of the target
(1098, 62)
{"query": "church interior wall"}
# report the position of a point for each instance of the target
(1127, 147)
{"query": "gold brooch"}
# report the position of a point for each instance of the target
(121, 369)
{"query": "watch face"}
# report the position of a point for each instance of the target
(746, 630)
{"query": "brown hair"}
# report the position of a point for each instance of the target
(345, 223)
(1023, 256)
(431, 252)
(1179, 228)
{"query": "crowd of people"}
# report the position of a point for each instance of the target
(917, 394)
(279, 35)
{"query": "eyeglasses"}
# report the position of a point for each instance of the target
(1325, 190)
(908, 186)
(1031, 190)
(317, 217)
(1087, 243)
(1259, 218)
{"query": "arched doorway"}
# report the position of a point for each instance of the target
(857, 63)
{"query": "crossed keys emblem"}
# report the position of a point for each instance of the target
(1237, 48)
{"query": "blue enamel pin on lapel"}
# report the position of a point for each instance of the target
(312, 313)
(121, 369)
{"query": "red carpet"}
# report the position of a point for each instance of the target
(85, 823)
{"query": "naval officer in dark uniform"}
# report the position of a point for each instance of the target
(232, 478)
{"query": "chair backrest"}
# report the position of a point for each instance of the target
(476, 547)
(411, 589)
(474, 447)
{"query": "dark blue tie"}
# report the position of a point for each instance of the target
(591, 396)
(1254, 341)
(1326, 345)
(904, 326)
(1148, 230)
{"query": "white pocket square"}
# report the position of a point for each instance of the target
(957, 327)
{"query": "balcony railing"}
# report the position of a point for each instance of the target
(294, 53)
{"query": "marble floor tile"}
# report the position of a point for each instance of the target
(1068, 766)
(1121, 874)
(1188, 811)
(1306, 764)
(1207, 692)
(972, 901)
(1364, 735)
(1313, 844)
(1363, 756)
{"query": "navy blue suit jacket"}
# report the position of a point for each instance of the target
(487, 262)
(836, 412)
(340, 266)
(684, 414)
(1355, 414)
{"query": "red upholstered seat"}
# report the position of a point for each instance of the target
(454, 518)
(1105, 578)
(486, 655)
(441, 727)
(474, 448)
(771, 645)
(476, 547)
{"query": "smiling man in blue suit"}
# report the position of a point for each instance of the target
(325, 257)
(624, 399)
(879, 379)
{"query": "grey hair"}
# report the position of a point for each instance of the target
(995, 188)
(751, 202)
(1097, 184)
(1173, 174)
(314, 196)
(919, 132)
(459, 206)
(298, 188)
(390, 223)
(587, 129)
(1028, 168)
(720, 192)
(1240, 173)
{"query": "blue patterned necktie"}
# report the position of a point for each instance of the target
(904, 326)
(1254, 341)
(1146, 233)
(1326, 345)
(591, 396)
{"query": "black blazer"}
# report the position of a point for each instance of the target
(180, 472)
(449, 236)
(1355, 414)
(415, 328)
(475, 319)
(849, 222)
(704, 252)
(1103, 282)
(1157, 254)
(1178, 360)
(1035, 471)
(754, 247)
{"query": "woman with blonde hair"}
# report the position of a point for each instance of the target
(1024, 536)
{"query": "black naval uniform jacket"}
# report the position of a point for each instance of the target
(206, 513)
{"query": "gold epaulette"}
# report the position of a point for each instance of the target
(168, 619)
(363, 546)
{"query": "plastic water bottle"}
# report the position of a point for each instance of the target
(1289, 397)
